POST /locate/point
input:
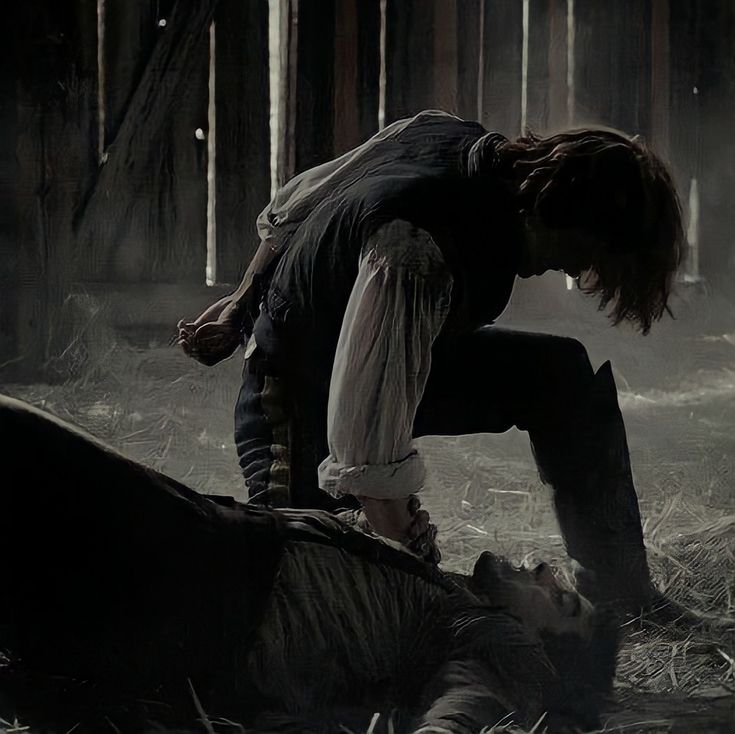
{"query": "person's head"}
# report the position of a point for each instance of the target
(598, 205)
(577, 643)
(535, 596)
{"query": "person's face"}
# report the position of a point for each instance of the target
(533, 595)
(568, 250)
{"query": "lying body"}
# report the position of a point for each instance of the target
(123, 589)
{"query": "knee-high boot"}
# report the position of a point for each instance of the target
(587, 464)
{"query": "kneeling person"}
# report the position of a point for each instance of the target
(380, 276)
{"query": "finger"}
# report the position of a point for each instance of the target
(414, 503)
(425, 545)
(419, 524)
(428, 537)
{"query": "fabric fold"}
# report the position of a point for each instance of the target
(397, 306)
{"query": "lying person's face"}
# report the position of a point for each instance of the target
(535, 596)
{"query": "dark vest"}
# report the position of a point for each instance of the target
(418, 174)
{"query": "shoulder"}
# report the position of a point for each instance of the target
(438, 119)
(399, 243)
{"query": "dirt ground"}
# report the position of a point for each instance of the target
(677, 393)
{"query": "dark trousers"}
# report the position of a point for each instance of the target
(492, 379)
(488, 381)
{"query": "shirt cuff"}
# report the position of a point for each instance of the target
(378, 481)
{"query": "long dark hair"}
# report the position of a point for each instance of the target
(614, 187)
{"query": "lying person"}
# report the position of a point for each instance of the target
(123, 591)
(370, 307)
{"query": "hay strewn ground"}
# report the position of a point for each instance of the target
(678, 397)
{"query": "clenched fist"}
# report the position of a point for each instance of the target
(210, 342)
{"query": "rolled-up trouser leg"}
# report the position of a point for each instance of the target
(586, 462)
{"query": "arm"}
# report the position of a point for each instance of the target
(217, 332)
(397, 306)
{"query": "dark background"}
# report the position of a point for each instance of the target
(117, 219)
(104, 183)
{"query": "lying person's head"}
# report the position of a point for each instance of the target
(537, 596)
(580, 642)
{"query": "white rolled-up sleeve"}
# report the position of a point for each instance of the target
(398, 304)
